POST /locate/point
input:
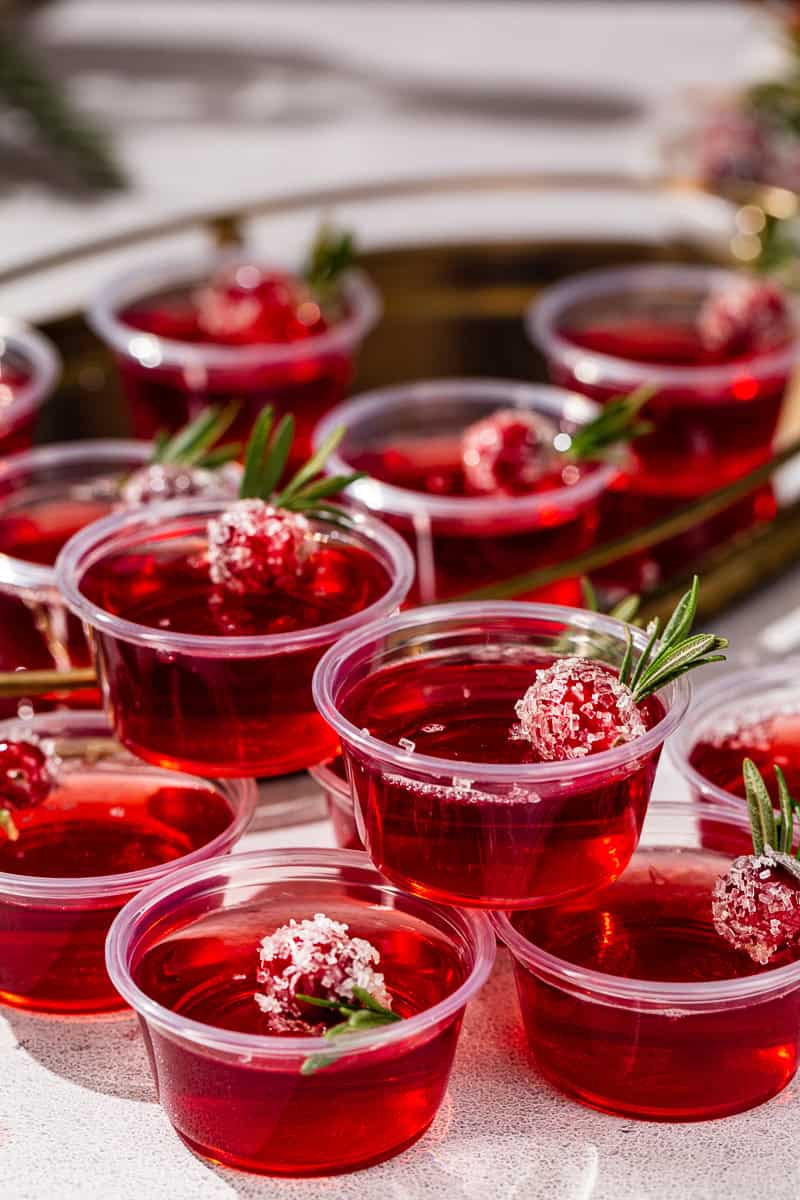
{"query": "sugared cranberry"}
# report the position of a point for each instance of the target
(577, 707)
(756, 907)
(244, 305)
(171, 481)
(315, 958)
(27, 773)
(253, 547)
(745, 318)
(507, 452)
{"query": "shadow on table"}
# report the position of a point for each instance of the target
(103, 1053)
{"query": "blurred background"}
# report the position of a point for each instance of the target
(115, 113)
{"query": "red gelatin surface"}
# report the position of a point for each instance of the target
(654, 924)
(40, 636)
(215, 715)
(457, 843)
(92, 824)
(464, 556)
(771, 740)
(705, 435)
(264, 1116)
(167, 395)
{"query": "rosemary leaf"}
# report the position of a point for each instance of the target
(589, 595)
(626, 609)
(221, 455)
(254, 457)
(752, 785)
(644, 657)
(676, 660)
(627, 661)
(277, 455)
(787, 818)
(616, 423)
(330, 486)
(312, 467)
(680, 623)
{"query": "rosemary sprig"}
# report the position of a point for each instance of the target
(73, 137)
(195, 445)
(265, 461)
(332, 253)
(368, 1013)
(618, 422)
(772, 834)
(672, 654)
(624, 610)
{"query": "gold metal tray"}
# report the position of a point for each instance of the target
(454, 307)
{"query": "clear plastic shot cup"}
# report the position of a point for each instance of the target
(488, 833)
(611, 331)
(46, 495)
(110, 826)
(29, 368)
(701, 1031)
(184, 955)
(331, 777)
(167, 380)
(220, 705)
(402, 435)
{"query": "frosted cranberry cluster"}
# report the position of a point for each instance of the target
(318, 958)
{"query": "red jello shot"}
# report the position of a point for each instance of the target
(718, 390)
(172, 366)
(332, 779)
(753, 713)
(450, 803)
(409, 440)
(29, 368)
(212, 682)
(46, 495)
(185, 955)
(717, 398)
(109, 826)
(632, 1001)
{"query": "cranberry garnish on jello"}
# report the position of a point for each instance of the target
(211, 615)
(757, 902)
(28, 770)
(320, 981)
(502, 755)
(749, 316)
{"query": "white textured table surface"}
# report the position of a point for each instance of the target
(217, 102)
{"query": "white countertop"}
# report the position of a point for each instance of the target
(218, 102)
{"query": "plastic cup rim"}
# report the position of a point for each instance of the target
(324, 775)
(45, 361)
(413, 763)
(654, 994)
(69, 889)
(721, 693)
(18, 573)
(212, 1037)
(370, 530)
(543, 313)
(400, 501)
(139, 282)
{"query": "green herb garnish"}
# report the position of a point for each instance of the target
(195, 445)
(618, 422)
(332, 253)
(672, 654)
(772, 833)
(265, 462)
(368, 1013)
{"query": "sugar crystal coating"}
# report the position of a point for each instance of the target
(253, 546)
(28, 770)
(317, 958)
(744, 318)
(170, 481)
(506, 452)
(577, 707)
(756, 907)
